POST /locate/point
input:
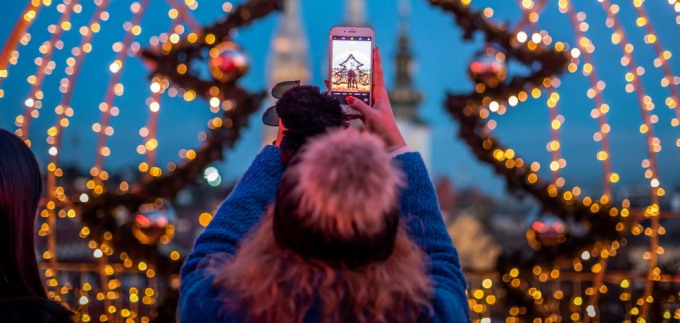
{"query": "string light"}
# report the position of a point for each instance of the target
(661, 61)
(19, 35)
(57, 204)
(556, 120)
(64, 111)
(114, 89)
(653, 144)
(33, 102)
(125, 303)
(586, 48)
(149, 132)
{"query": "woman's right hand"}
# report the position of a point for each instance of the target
(379, 119)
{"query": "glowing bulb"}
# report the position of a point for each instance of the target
(115, 66)
(493, 106)
(155, 87)
(154, 106)
(214, 102)
(522, 36)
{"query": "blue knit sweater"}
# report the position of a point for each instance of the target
(200, 301)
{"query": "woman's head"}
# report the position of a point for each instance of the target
(338, 201)
(332, 240)
(20, 189)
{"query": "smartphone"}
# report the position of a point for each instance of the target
(350, 68)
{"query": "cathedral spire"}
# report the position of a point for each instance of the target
(404, 97)
(289, 55)
(355, 13)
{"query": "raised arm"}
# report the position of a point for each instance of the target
(418, 200)
(423, 217)
(234, 219)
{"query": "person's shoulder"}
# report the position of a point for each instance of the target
(33, 309)
(204, 302)
(449, 307)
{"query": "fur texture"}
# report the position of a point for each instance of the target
(346, 183)
(275, 285)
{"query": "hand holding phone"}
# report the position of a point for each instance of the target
(379, 118)
(350, 70)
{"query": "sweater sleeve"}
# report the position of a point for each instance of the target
(236, 216)
(421, 212)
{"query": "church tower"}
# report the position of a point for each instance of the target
(404, 97)
(355, 13)
(289, 58)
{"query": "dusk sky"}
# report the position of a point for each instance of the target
(442, 59)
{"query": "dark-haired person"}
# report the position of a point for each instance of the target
(343, 233)
(351, 75)
(22, 295)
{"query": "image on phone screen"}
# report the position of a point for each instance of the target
(351, 67)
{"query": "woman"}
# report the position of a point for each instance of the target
(348, 238)
(22, 295)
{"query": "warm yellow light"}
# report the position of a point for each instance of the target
(204, 219)
(181, 68)
(190, 154)
(210, 39)
(602, 155)
(174, 255)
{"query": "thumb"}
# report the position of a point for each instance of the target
(359, 105)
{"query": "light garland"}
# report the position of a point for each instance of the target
(45, 66)
(556, 120)
(19, 35)
(504, 160)
(129, 289)
(110, 297)
(661, 61)
(653, 147)
(54, 139)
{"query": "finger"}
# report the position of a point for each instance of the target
(379, 91)
(359, 105)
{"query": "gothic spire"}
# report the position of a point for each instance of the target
(355, 13)
(289, 56)
(403, 96)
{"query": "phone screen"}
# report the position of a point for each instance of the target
(351, 67)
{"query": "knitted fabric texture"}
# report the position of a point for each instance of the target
(201, 301)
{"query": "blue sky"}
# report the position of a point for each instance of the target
(442, 59)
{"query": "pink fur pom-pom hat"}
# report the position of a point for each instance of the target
(338, 200)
